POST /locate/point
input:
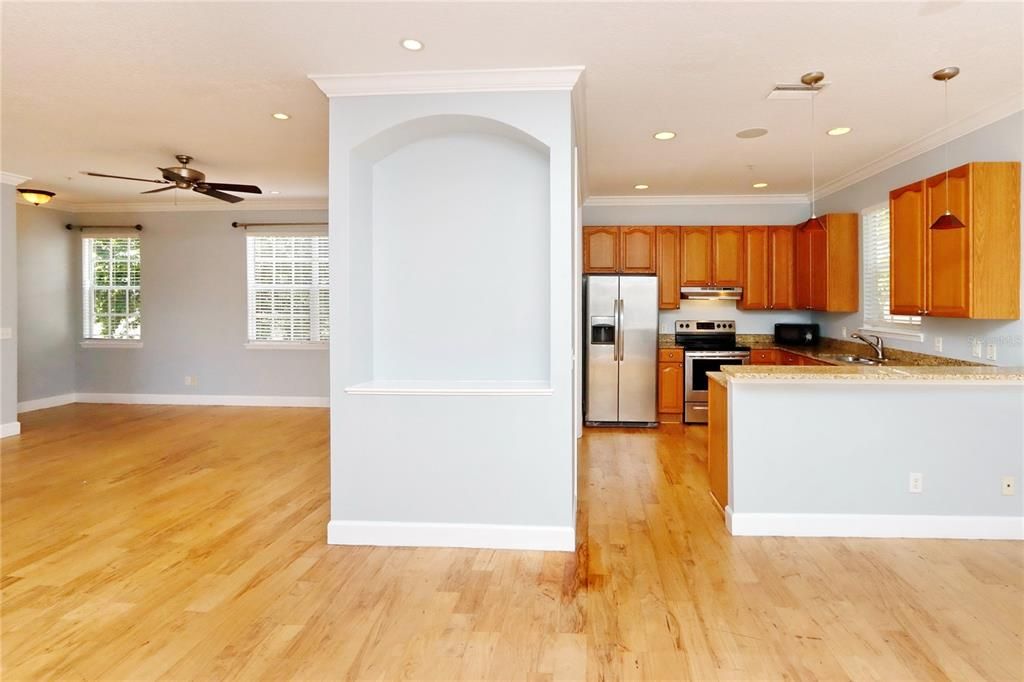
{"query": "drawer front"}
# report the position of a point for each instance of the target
(764, 357)
(670, 355)
(790, 358)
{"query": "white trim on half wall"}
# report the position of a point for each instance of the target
(876, 526)
(464, 535)
(175, 399)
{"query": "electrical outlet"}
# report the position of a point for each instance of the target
(938, 343)
(190, 380)
(990, 351)
(1009, 485)
(916, 483)
(976, 348)
(844, 332)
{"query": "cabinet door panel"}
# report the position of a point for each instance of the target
(802, 269)
(638, 249)
(727, 256)
(670, 387)
(906, 249)
(600, 249)
(781, 253)
(756, 269)
(948, 261)
(668, 267)
(819, 268)
(695, 256)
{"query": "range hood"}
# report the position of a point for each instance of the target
(711, 293)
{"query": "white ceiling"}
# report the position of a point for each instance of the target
(120, 88)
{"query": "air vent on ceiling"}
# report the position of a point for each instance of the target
(792, 91)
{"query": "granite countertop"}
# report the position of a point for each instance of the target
(828, 346)
(868, 374)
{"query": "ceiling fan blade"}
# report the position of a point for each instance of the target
(171, 176)
(223, 196)
(122, 177)
(159, 189)
(251, 189)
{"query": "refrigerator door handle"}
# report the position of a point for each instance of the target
(617, 355)
(622, 332)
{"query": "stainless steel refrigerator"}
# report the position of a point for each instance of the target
(621, 320)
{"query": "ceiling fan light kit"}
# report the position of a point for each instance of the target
(946, 221)
(36, 196)
(183, 177)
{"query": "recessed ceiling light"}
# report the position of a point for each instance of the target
(281, 116)
(641, 186)
(760, 185)
(664, 135)
(412, 44)
(842, 130)
(750, 133)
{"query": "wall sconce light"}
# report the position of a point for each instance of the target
(36, 196)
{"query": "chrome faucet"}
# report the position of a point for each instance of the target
(877, 344)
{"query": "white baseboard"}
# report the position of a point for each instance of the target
(43, 403)
(202, 399)
(10, 429)
(876, 526)
(469, 535)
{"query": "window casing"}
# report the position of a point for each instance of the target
(288, 289)
(112, 288)
(876, 276)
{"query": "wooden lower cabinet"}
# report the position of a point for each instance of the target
(787, 358)
(718, 442)
(765, 356)
(670, 385)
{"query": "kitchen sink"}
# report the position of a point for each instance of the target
(852, 359)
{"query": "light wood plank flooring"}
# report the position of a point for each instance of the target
(144, 542)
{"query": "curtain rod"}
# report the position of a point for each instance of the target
(69, 226)
(245, 225)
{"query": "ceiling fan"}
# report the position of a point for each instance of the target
(183, 177)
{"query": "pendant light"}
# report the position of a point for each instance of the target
(811, 80)
(946, 221)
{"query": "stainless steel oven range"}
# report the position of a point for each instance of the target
(707, 346)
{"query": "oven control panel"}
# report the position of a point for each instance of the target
(697, 326)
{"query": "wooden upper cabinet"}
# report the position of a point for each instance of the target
(802, 268)
(727, 256)
(781, 244)
(756, 270)
(668, 266)
(907, 249)
(948, 265)
(827, 273)
(639, 250)
(695, 256)
(600, 249)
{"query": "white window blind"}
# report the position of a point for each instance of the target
(111, 288)
(289, 288)
(876, 274)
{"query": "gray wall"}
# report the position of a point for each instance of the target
(194, 314)
(8, 305)
(747, 321)
(963, 438)
(49, 297)
(1000, 141)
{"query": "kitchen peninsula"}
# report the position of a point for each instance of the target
(879, 452)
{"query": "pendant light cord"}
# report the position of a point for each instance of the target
(945, 97)
(813, 213)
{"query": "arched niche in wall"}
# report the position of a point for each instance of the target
(450, 252)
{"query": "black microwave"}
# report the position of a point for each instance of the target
(797, 334)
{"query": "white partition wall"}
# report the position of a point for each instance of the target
(451, 224)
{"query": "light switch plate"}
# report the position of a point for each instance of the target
(916, 483)
(976, 348)
(990, 351)
(6, 333)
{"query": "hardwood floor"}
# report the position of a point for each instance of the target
(144, 542)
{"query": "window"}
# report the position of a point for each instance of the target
(876, 276)
(288, 289)
(111, 288)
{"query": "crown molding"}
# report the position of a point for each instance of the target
(1000, 110)
(699, 200)
(427, 82)
(12, 179)
(192, 206)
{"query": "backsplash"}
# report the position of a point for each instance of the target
(747, 321)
